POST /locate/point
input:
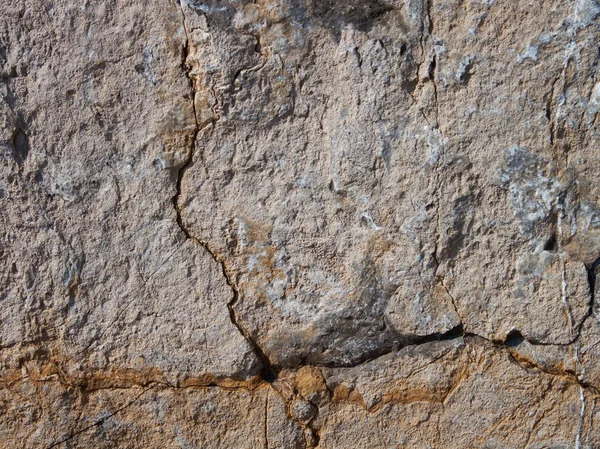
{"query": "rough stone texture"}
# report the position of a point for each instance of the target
(299, 224)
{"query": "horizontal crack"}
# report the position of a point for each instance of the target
(221, 384)
(523, 362)
(452, 334)
(470, 339)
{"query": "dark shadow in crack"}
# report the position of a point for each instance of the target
(336, 15)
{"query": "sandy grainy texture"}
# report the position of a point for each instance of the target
(299, 224)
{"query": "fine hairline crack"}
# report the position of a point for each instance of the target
(267, 371)
(100, 421)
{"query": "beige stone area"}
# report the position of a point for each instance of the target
(148, 417)
(454, 394)
(299, 224)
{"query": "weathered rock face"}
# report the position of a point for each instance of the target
(299, 223)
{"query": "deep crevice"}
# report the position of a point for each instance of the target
(403, 341)
(454, 333)
(551, 244)
(591, 277)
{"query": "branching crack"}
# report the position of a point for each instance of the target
(267, 373)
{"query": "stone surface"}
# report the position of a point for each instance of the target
(299, 223)
(152, 417)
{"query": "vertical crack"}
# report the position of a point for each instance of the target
(431, 73)
(591, 276)
(581, 419)
(550, 116)
(266, 428)
(267, 371)
(192, 145)
(564, 286)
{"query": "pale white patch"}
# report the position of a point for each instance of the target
(531, 52)
(435, 142)
(584, 13)
(366, 217)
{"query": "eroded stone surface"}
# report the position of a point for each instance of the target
(418, 190)
(154, 417)
(299, 223)
(441, 401)
(96, 271)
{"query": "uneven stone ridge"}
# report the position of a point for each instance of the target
(299, 224)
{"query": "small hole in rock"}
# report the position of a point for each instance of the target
(551, 243)
(514, 338)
